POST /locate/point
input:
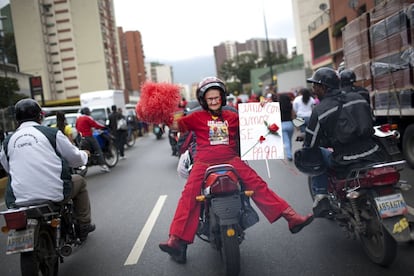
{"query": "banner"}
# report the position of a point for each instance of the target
(260, 131)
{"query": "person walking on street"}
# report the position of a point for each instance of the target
(38, 160)
(211, 94)
(286, 114)
(85, 124)
(302, 105)
(119, 129)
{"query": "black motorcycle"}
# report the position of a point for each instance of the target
(43, 233)
(225, 213)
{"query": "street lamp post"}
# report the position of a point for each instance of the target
(268, 51)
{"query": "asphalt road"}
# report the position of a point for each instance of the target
(133, 205)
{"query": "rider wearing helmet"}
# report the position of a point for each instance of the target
(46, 174)
(85, 125)
(342, 122)
(217, 133)
(348, 78)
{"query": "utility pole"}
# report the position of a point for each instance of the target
(268, 50)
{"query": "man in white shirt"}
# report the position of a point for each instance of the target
(38, 160)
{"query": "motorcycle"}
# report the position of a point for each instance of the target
(174, 136)
(43, 233)
(109, 150)
(225, 213)
(130, 137)
(158, 130)
(367, 202)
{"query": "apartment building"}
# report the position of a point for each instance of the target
(71, 44)
(230, 49)
(132, 60)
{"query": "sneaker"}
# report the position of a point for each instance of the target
(85, 229)
(104, 168)
(321, 206)
(123, 157)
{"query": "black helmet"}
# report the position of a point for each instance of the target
(28, 110)
(205, 85)
(310, 161)
(325, 76)
(347, 77)
(85, 111)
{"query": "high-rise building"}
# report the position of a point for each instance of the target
(71, 44)
(157, 72)
(230, 49)
(132, 60)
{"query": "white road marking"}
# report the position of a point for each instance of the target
(143, 236)
(410, 210)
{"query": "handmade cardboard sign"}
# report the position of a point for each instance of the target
(260, 131)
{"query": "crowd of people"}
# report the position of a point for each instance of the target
(320, 129)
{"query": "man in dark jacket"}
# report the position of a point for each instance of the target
(348, 79)
(342, 125)
(120, 132)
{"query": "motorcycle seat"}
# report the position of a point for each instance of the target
(45, 206)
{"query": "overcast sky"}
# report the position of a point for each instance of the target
(183, 29)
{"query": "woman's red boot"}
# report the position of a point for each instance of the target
(176, 248)
(295, 221)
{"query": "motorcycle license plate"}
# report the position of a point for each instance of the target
(391, 205)
(22, 240)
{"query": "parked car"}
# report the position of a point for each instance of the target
(50, 121)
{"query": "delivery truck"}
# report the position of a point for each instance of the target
(378, 47)
(100, 102)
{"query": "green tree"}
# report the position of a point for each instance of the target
(238, 68)
(8, 87)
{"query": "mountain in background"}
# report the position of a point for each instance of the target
(193, 70)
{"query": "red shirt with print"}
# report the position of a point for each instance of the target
(217, 137)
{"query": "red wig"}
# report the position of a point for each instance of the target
(158, 102)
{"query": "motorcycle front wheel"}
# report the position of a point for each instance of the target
(377, 243)
(43, 259)
(230, 251)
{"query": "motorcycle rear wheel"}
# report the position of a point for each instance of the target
(377, 243)
(43, 259)
(230, 252)
(130, 140)
(111, 155)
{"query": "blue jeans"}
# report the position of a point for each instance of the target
(287, 132)
(303, 127)
(320, 182)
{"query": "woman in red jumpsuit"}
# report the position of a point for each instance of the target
(215, 149)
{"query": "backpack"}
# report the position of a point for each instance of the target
(121, 124)
(350, 126)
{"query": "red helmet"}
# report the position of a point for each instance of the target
(205, 85)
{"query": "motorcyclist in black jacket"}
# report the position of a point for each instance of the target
(342, 125)
(348, 79)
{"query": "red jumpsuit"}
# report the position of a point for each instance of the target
(217, 143)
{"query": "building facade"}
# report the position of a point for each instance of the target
(132, 60)
(71, 44)
(230, 49)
